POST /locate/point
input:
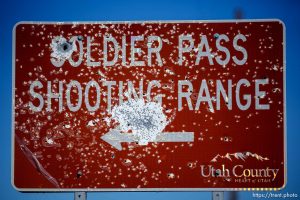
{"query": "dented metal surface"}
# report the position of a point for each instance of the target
(149, 106)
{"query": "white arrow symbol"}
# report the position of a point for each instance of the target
(114, 137)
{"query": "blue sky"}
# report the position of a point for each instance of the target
(14, 11)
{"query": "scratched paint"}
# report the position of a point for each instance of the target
(145, 120)
(64, 141)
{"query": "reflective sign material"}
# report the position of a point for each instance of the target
(176, 105)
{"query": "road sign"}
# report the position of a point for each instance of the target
(163, 105)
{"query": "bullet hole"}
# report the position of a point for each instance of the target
(217, 174)
(171, 175)
(216, 35)
(191, 165)
(80, 38)
(264, 77)
(65, 46)
(79, 173)
(127, 161)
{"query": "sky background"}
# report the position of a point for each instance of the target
(14, 11)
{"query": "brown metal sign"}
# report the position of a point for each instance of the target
(171, 105)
